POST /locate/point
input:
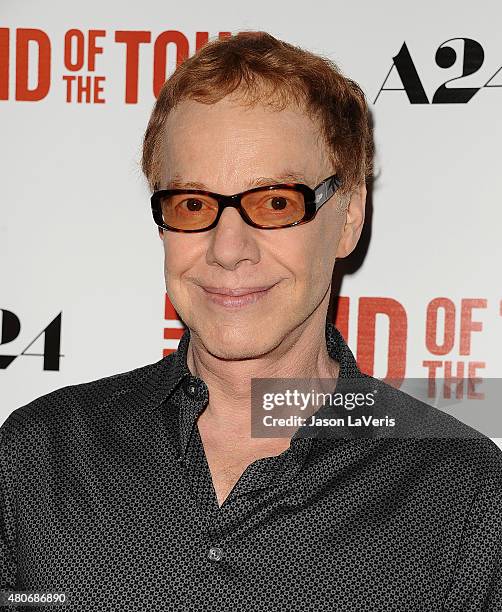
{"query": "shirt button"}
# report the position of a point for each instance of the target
(215, 554)
(191, 387)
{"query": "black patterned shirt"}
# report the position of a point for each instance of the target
(106, 496)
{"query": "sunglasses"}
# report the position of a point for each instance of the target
(271, 207)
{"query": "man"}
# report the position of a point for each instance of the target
(147, 490)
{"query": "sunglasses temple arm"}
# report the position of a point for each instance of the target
(324, 192)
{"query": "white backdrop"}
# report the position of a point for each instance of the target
(76, 234)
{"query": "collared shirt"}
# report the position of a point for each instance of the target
(106, 496)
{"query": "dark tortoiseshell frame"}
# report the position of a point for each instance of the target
(314, 199)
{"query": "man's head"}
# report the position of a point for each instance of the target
(248, 110)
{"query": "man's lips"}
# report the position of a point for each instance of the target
(237, 291)
(238, 297)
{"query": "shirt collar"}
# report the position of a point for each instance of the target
(171, 370)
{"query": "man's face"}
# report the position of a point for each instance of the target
(226, 146)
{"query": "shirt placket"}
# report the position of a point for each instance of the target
(219, 524)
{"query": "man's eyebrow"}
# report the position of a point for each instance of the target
(177, 182)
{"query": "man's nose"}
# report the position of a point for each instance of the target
(233, 240)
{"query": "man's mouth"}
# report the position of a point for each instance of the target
(236, 297)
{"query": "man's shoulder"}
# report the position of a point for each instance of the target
(134, 386)
(436, 428)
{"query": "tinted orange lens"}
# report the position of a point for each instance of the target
(188, 211)
(274, 207)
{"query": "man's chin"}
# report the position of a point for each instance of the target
(245, 340)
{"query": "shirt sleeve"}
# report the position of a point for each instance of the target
(476, 584)
(8, 564)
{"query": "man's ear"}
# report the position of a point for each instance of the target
(353, 222)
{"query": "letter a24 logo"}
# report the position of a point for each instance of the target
(464, 53)
(10, 327)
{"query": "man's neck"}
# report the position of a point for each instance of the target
(229, 381)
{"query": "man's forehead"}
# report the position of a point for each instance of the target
(193, 122)
(255, 150)
(289, 176)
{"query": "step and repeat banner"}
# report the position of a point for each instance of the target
(82, 293)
